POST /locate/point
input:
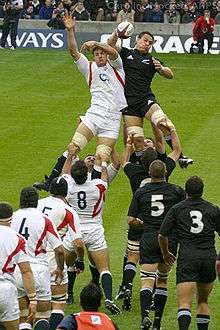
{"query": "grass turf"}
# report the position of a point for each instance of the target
(42, 94)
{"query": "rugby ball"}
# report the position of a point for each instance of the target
(124, 30)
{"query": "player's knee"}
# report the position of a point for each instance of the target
(158, 116)
(59, 298)
(162, 277)
(137, 132)
(148, 276)
(43, 315)
(103, 150)
(79, 140)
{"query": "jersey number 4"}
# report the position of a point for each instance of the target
(24, 230)
(198, 225)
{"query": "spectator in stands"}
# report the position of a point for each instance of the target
(28, 12)
(90, 301)
(193, 12)
(126, 14)
(112, 8)
(98, 10)
(203, 5)
(46, 10)
(56, 21)
(157, 15)
(203, 29)
(67, 4)
(36, 6)
(216, 12)
(172, 15)
(143, 12)
(79, 12)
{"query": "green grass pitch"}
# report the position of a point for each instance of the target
(42, 94)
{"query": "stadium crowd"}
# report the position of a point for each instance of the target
(162, 11)
(42, 244)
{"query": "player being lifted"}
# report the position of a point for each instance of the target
(105, 78)
(140, 68)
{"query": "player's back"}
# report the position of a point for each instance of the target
(37, 230)
(196, 223)
(87, 200)
(154, 200)
(10, 242)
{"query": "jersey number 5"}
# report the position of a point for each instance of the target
(196, 217)
(24, 230)
(156, 203)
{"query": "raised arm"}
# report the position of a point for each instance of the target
(127, 151)
(90, 45)
(159, 139)
(112, 41)
(70, 25)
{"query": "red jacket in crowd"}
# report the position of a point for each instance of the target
(202, 26)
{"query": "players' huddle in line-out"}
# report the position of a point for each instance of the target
(46, 238)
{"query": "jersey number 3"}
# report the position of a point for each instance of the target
(198, 225)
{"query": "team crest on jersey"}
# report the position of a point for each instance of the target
(96, 319)
(103, 77)
(146, 61)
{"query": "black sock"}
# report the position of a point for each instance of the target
(160, 299)
(184, 318)
(145, 301)
(124, 264)
(57, 169)
(202, 321)
(106, 280)
(129, 274)
(42, 325)
(56, 317)
(95, 274)
(71, 280)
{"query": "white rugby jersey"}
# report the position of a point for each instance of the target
(63, 216)
(106, 85)
(12, 251)
(87, 200)
(38, 230)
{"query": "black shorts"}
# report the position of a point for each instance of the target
(150, 252)
(139, 108)
(135, 234)
(191, 268)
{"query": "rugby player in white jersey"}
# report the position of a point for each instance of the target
(13, 252)
(87, 198)
(38, 231)
(65, 219)
(105, 77)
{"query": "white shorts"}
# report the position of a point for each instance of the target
(42, 282)
(9, 308)
(94, 239)
(52, 266)
(103, 125)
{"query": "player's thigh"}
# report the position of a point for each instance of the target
(58, 296)
(185, 294)
(109, 142)
(42, 279)
(10, 325)
(133, 121)
(9, 308)
(203, 292)
(84, 130)
(101, 259)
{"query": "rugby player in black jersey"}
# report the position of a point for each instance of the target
(140, 68)
(148, 208)
(195, 220)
